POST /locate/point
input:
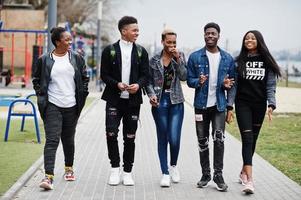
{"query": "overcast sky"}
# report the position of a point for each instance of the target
(278, 20)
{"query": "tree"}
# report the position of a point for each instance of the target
(108, 28)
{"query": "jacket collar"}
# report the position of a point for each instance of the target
(157, 57)
(117, 44)
(118, 54)
(202, 52)
(69, 54)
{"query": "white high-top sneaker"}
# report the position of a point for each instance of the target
(165, 181)
(174, 174)
(114, 178)
(128, 179)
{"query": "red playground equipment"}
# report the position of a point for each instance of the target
(14, 52)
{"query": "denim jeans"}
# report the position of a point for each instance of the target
(203, 119)
(129, 116)
(249, 117)
(168, 118)
(59, 124)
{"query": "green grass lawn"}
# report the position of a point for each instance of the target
(279, 143)
(21, 150)
(19, 153)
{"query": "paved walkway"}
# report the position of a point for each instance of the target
(92, 167)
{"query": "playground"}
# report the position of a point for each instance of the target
(19, 51)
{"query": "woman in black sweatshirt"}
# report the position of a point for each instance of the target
(257, 71)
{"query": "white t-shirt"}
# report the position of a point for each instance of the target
(126, 61)
(214, 59)
(61, 89)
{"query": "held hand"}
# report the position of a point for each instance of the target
(229, 117)
(228, 82)
(270, 112)
(154, 101)
(122, 86)
(202, 78)
(175, 53)
(133, 88)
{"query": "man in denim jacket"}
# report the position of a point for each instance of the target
(211, 72)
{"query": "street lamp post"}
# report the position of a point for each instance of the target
(52, 21)
(98, 39)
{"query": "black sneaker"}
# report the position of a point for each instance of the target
(206, 178)
(220, 183)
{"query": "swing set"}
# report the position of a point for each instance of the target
(14, 51)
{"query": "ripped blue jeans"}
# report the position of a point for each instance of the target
(203, 118)
(168, 118)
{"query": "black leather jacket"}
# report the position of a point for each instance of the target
(41, 78)
(111, 70)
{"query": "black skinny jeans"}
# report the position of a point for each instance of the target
(203, 118)
(59, 124)
(250, 117)
(129, 116)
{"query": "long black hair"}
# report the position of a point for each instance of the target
(262, 50)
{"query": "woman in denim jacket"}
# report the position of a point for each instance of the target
(256, 86)
(167, 69)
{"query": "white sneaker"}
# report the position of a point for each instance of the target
(128, 179)
(249, 187)
(243, 179)
(114, 176)
(165, 181)
(174, 174)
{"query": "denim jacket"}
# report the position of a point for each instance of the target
(271, 89)
(156, 78)
(198, 63)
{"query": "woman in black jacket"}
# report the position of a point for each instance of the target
(61, 84)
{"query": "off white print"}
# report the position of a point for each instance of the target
(254, 70)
